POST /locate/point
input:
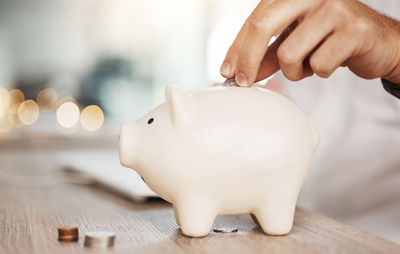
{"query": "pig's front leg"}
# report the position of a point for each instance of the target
(177, 216)
(195, 216)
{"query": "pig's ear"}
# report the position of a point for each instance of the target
(181, 105)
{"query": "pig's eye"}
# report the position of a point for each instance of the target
(150, 121)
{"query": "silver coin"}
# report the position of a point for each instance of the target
(226, 230)
(230, 82)
(99, 239)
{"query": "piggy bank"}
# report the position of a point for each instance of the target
(223, 150)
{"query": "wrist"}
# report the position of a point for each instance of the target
(394, 69)
(394, 76)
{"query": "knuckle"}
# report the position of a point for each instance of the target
(292, 77)
(245, 63)
(320, 68)
(293, 74)
(337, 6)
(324, 74)
(257, 22)
(297, 77)
(286, 55)
(361, 25)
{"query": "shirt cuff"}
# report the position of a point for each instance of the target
(392, 88)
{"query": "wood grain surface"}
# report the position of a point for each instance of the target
(34, 201)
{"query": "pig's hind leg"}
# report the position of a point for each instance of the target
(195, 216)
(275, 220)
(275, 212)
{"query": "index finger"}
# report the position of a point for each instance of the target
(262, 24)
(227, 70)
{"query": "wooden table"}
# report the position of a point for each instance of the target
(32, 206)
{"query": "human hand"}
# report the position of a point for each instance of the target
(316, 36)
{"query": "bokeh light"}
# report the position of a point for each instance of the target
(15, 121)
(47, 99)
(6, 123)
(4, 101)
(63, 97)
(65, 100)
(63, 93)
(28, 112)
(68, 114)
(92, 118)
(16, 98)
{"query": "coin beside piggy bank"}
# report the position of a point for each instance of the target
(223, 150)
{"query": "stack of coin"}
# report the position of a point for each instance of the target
(99, 239)
(68, 234)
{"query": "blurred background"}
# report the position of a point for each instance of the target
(116, 55)
(72, 70)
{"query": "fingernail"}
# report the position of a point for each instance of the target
(225, 69)
(241, 79)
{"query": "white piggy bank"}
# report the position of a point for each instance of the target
(223, 150)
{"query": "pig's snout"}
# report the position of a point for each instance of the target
(126, 144)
